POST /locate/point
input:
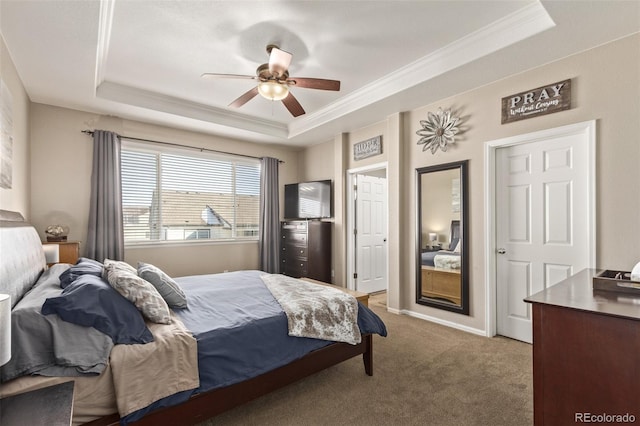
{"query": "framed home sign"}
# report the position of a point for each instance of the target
(367, 148)
(543, 100)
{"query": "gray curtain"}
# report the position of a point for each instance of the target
(105, 239)
(269, 216)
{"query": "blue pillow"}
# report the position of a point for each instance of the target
(91, 302)
(83, 266)
(453, 244)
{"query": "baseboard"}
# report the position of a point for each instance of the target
(440, 321)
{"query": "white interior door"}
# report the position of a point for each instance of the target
(543, 222)
(371, 234)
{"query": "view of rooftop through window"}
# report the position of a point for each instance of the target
(188, 196)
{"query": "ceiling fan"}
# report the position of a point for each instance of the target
(274, 82)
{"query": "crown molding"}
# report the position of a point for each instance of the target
(517, 26)
(169, 104)
(105, 22)
(525, 22)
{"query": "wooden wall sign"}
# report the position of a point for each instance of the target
(533, 103)
(367, 148)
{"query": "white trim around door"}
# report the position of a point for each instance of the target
(351, 220)
(588, 130)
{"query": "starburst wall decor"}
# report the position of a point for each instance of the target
(438, 131)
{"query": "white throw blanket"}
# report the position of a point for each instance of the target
(315, 310)
(445, 261)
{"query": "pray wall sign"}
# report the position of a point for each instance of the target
(541, 101)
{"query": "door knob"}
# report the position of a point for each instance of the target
(501, 251)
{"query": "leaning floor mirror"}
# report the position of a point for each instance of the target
(442, 245)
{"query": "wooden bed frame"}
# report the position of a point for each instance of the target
(203, 406)
(200, 406)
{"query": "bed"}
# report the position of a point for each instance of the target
(448, 258)
(203, 362)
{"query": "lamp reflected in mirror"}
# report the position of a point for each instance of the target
(442, 245)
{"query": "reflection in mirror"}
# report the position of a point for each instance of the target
(442, 276)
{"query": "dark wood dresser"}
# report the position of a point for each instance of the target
(586, 354)
(306, 249)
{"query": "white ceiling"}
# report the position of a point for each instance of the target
(142, 60)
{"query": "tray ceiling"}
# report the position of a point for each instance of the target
(142, 60)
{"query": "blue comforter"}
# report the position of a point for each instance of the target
(241, 331)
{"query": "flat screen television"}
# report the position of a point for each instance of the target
(308, 200)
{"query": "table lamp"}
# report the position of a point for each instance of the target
(51, 253)
(5, 328)
(433, 237)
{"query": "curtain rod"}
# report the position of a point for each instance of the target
(90, 132)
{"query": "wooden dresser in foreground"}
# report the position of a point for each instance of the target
(586, 354)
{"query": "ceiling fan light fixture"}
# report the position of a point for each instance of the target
(273, 90)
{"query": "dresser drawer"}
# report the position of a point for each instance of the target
(294, 238)
(294, 268)
(292, 251)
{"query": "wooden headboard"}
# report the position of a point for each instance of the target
(21, 255)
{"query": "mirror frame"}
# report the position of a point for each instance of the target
(463, 308)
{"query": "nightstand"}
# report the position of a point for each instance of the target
(52, 406)
(431, 248)
(69, 250)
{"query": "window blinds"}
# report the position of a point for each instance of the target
(176, 195)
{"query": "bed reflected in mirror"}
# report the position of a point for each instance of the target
(441, 241)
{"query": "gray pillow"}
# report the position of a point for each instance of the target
(138, 291)
(166, 286)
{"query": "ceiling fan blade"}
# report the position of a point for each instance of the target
(315, 83)
(279, 61)
(215, 75)
(246, 97)
(293, 105)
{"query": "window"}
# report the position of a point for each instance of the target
(182, 195)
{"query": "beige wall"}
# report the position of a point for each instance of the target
(316, 162)
(605, 88)
(376, 129)
(61, 174)
(331, 160)
(17, 198)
